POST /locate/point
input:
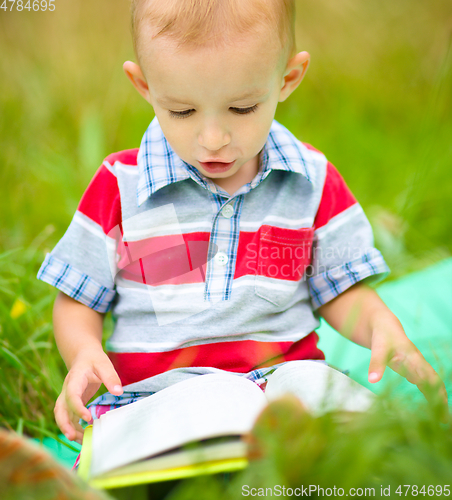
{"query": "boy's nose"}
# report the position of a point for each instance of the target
(213, 137)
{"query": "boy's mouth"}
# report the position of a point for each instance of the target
(216, 166)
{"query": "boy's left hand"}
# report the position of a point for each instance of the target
(360, 315)
(391, 347)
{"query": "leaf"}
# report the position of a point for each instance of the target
(12, 359)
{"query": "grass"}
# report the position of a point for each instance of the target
(31, 371)
(393, 445)
(376, 100)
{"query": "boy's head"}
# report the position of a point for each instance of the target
(214, 72)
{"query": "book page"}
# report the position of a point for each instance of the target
(319, 387)
(235, 448)
(198, 408)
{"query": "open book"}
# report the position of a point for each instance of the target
(153, 439)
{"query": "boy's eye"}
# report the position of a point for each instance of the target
(188, 112)
(244, 111)
(181, 114)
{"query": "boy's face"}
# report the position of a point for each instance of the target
(216, 105)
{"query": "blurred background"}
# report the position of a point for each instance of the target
(377, 100)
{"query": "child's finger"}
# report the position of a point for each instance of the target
(377, 365)
(63, 420)
(429, 382)
(75, 388)
(107, 374)
(67, 421)
(436, 394)
(79, 432)
(417, 371)
(414, 368)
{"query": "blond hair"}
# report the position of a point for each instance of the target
(198, 22)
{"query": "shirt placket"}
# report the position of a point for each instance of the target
(224, 237)
(223, 243)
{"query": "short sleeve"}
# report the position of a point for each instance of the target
(80, 264)
(343, 248)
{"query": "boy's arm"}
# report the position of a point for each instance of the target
(360, 315)
(78, 334)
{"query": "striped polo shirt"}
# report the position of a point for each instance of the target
(199, 280)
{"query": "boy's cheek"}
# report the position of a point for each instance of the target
(179, 142)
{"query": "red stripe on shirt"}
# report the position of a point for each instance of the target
(101, 201)
(165, 259)
(242, 357)
(336, 197)
(126, 157)
(312, 148)
(180, 259)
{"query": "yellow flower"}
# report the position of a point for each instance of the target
(19, 307)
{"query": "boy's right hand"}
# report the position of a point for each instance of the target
(88, 372)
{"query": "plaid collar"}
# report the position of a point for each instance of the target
(159, 165)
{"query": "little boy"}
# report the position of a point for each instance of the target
(220, 241)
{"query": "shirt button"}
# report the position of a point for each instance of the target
(227, 211)
(221, 258)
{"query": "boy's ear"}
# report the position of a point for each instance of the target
(293, 74)
(135, 75)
